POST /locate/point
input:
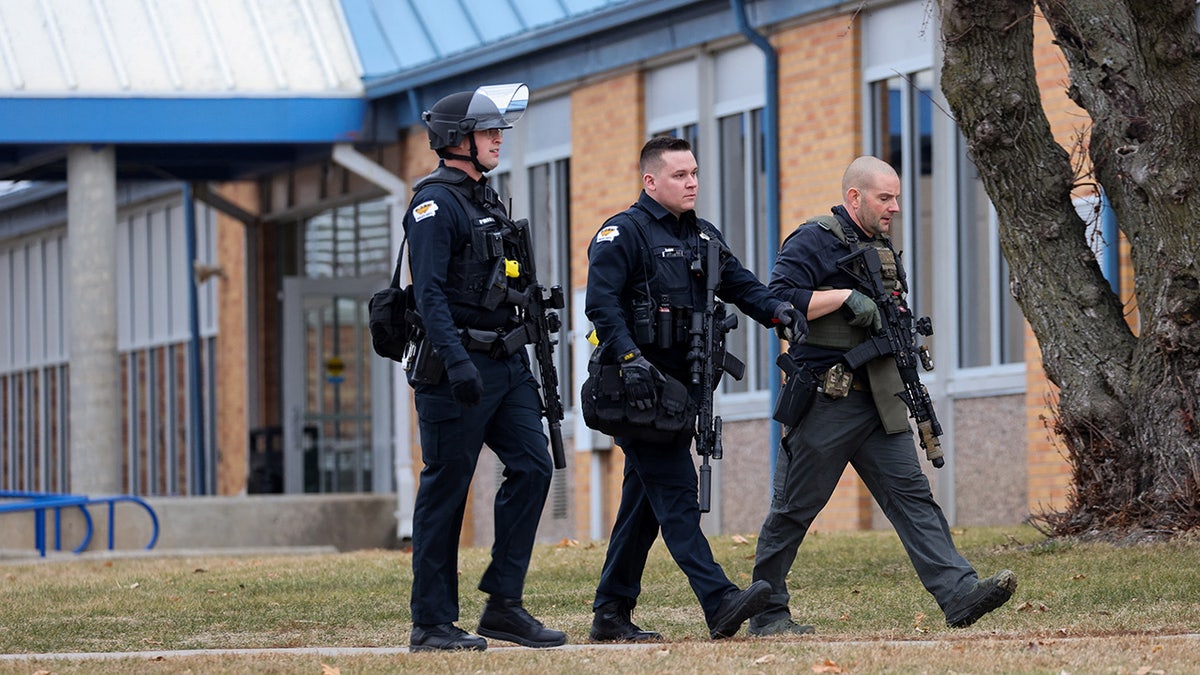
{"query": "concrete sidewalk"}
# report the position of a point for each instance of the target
(396, 651)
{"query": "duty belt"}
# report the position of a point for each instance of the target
(498, 344)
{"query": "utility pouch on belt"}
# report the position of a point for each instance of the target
(837, 381)
(605, 408)
(796, 397)
(427, 366)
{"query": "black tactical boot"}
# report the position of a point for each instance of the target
(506, 619)
(736, 607)
(613, 622)
(987, 595)
(443, 636)
(782, 626)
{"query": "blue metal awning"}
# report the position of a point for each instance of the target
(181, 120)
(414, 52)
(183, 89)
(224, 90)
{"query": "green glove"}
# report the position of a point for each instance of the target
(862, 311)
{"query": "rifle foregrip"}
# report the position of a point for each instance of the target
(931, 443)
(705, 487)
(556, 446)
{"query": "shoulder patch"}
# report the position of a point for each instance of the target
(608, 233)
(424, 210)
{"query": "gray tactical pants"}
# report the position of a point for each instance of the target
(813, 457)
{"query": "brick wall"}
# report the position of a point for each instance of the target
(607, 133)
(1049, 475)
(820, 134)
(232, 346)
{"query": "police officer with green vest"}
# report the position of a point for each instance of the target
(472, 384)
(855, 417)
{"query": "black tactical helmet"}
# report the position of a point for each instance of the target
(489, 107)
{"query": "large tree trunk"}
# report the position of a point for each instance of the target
(1127, 408)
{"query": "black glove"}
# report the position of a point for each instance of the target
(641, 381)
(465, 382)
(863, 311)
(790, 323)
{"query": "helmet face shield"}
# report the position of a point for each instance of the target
(495, 106)
(498, 106)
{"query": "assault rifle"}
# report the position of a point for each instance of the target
(708, 361)
(898, 339)
(542, 322)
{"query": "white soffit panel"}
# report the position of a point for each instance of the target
(136, 48)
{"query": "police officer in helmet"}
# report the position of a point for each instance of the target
(643, 261)
(472, 385)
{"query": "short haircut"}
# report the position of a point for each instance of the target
(865, 172)
(652, 151)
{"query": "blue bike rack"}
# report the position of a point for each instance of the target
(41, 502)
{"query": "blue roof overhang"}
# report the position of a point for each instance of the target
(587, 45)
(187, 138)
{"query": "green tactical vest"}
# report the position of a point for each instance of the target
(833, 331)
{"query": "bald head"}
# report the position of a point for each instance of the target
(865, 173)
(871, 194)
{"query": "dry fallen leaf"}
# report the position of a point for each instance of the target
(330, 670)
(567, 542)
(1032, 607)
(1078, 577)
(768, 658)
(826, 666)
(739, 539)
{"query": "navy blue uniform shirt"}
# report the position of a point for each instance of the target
(618, 269)
(439, 229)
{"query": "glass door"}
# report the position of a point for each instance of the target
(336, 390)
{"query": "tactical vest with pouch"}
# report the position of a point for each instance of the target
(833, 331)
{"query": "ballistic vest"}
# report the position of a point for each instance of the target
(834, 331)
(477, 277)
(666, 279)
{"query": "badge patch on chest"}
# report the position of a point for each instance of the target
(424, 210)
(608, 234)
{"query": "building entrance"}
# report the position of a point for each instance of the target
(337, 428)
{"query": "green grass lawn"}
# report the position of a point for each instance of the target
(1079, 608)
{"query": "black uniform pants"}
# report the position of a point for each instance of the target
(508, 419)
(812, 459)
(660, 491)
